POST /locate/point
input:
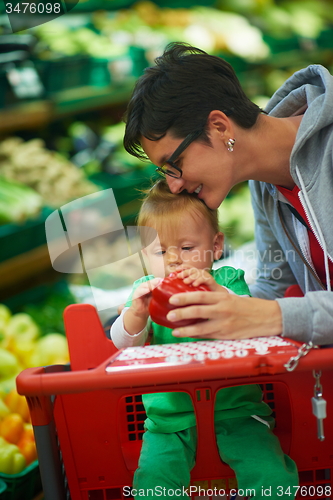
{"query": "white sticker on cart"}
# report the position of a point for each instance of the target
(199, 351)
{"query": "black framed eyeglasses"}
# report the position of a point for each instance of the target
(169, 167)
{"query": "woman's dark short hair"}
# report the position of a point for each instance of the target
(179, 92)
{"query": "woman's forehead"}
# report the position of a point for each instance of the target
(159, 151)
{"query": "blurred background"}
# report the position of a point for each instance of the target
(64, 86)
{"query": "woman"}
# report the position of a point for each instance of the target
(190, 117)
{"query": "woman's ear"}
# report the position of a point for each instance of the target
(218, 122)
(218, 245)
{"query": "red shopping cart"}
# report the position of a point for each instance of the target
(88, 416)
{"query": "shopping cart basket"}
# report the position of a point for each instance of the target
(88, 416)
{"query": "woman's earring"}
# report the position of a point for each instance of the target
(230, 145)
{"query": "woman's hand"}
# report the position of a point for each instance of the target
(230, 316)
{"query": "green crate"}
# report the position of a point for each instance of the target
(325, 39)
(128, 65)
(64, 73)
(127, 189)
(140, 62)
(280, 45)
(22, 486)
(184, 4)
(100, 75)
(93, 5)
(7, 96)
(3, 90)
(16, 239)
(3, 487)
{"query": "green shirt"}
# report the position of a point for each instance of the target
(173, 411)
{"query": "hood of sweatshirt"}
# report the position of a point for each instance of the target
(310, 91)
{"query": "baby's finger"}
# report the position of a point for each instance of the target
(183, 272)
(200, 277)
(153, 283)
(208, 281)
(146, 287)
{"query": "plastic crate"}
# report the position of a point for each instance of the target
(22, 486)
(3, 88)
(16, 239)
(325, 39)
(184, 4)
(140, 62)
(100, 75)
(99, 398)
(93, 5)
(3, 488)
(64, 73)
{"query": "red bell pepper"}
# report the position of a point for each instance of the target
(159, 305)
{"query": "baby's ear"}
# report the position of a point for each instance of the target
(218, 245)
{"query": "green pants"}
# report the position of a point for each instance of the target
(249, 447)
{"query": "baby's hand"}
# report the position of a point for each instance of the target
(196, 277)
(136, 316)
(142, 297)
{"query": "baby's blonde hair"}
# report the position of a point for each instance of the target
(160, 203)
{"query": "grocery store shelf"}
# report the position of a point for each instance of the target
(88, 98)
(26, 116)
(24, 266)
(38, 113)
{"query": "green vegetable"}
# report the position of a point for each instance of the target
(8, 364)
(11, 459)
(17, 202)
(22, 327)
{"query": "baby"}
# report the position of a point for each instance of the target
(188, 242)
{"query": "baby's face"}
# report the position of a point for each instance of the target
(190, 241)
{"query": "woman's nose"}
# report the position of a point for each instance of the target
(175, 185)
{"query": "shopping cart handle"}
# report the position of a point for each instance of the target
(122, 370)
(56, 379)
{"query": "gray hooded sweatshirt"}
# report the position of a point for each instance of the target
(309, 91)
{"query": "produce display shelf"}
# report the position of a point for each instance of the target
(23, 247)
(91, 5)
(16, 239)
(22, 486)
(27, 115)
(3, 488)
(24, 267)
(88, 98)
